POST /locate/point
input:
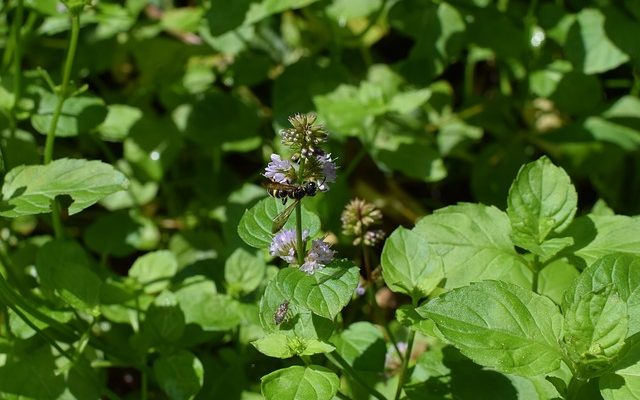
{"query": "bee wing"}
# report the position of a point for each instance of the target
(281, 219)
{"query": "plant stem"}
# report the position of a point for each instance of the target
(575, 386)
(337, 359)
(17, 59)
(366, 258)
(63, 90)
(299, 244)
(306, 359)
(536, 272)
(405, 364)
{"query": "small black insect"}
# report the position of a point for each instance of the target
(281, 313)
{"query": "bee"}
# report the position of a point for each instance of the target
(281, 313)
(285, 192)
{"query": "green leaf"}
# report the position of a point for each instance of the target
(407, 101)
(121, 233)
(596, 325)
(224, 16)
(310, 383)
(501, 326)
(255, 225)
(589, 45)
(438, 30)
(30, 189)
(619, 124)
(541, 201)
(243, 271)
(164, 321)
(299, 321)
(407, 316)
(326, 292)
(80, 114)
(349, 110)
(180, 375)
(622, 271)
(474, 242)
(409, 154)
(409, 265)
(599, 235)
(183, 19)
(561, 84)
(154, 270)
(65, 269)
(119, 122)
(362, 346)
(623, 385)
(280, 345)
(555, 278)
(18, 371)
(341, 10)
(152, 146)
(19, 148)
(198, 297)
(218, 118)
(456, 136)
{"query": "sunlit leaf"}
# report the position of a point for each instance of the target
(30, 189)
(312, 382)
(500, 325)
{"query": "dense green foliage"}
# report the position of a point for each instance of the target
(498, 140)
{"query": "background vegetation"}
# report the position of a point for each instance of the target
(150, 292)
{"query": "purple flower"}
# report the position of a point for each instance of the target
(279, 170)
(320, 169)
(360, 289)
(319, 255)
(328, 167)
(283, 245)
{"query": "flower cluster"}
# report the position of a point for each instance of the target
(357, 219)
(284, 245)
(305, 137)
(309, 163)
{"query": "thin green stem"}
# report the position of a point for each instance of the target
(56, 221)
(405, 364)
(575, 387)
(536, 272)
(306, 359)
(337, 360)
(299, 243)
(366, 258)
(14, 299)
(52, 342)
(17, 59)
(63, 90)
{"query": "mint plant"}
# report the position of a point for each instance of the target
(167, 228)
(532, 313)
